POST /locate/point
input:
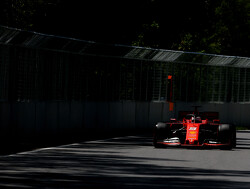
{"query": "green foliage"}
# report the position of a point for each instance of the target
(23, 11)
(25, 14)
(211, 26)
(241, 128)
(232, 26)
(186, 42)
(219, 27)
(147, 35)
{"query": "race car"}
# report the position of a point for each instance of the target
(195, 129)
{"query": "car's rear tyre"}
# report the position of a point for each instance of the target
(227, 135)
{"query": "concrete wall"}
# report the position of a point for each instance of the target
(53, 118)
(45, 118)
(237, 114)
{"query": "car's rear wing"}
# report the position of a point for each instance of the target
(204, 115)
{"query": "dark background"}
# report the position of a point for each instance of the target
(210, 26)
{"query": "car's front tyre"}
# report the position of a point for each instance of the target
(161, 131)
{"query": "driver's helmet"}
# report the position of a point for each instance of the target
(190, 116)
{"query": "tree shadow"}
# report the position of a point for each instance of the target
(100, 164)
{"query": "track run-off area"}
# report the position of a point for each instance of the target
(128, 162)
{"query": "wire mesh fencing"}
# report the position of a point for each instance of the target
(38, 67)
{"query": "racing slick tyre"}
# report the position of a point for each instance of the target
(161, 131)
(227, 135)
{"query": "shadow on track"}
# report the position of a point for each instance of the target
(100, 164)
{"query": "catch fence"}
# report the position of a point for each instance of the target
(39, 67)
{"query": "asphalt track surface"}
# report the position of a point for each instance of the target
(128, 162)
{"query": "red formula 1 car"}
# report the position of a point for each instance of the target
(195, 129)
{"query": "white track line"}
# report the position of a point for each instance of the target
(65, 145)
